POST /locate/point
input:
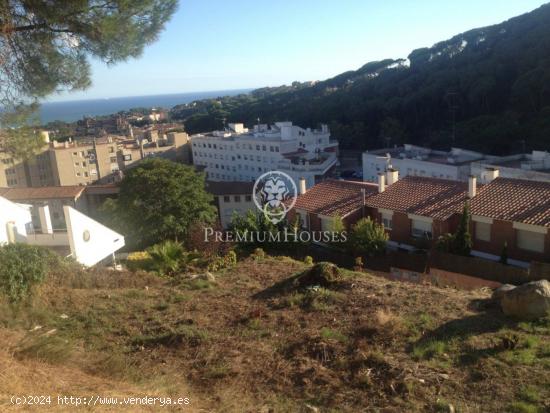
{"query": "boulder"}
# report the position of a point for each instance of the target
(528, 301)
(500, 291)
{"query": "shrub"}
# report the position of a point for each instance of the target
(368, 238)
(140, 260)
(258, 254)
(220, 263)
(23, 266)
(166, 257)
(308, 260)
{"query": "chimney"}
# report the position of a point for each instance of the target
(392, 176)
(381, 182)
(489, 175)
(472, 186)
(302, 186)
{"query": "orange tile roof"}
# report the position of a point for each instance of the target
(430, 197)
(45, 192)
(335, 198)
(516, 200)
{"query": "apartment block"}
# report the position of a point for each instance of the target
(240, 154)
(92, 160)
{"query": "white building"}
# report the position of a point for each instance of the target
(88, 241)
(239, 154)
(419, 161)
(534, 166)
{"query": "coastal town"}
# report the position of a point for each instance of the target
(190, 220)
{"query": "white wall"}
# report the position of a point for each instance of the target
(17, 214)
(89, 240)
(373, 165)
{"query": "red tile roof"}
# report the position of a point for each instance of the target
(335, 198)
(45, 192)
(430, 197)
(515, 200)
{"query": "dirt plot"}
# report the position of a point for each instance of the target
(271, 336)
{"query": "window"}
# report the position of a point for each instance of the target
(248, 198)
(111, 149)
(421, 229)
(113, 159)
(530, 241)
(127, 157)
(387, 222)
(483, 231)
(226, 199)
(237, 198)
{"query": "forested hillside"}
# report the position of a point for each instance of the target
(494, 81)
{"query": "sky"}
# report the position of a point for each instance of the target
(237, 44)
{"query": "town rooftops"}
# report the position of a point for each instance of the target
(515, 200)
(45, 192)
(229, 188)
(429, 197)
(333, 198)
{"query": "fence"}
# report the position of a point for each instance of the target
(480, 268)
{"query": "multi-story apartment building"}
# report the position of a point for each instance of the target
(86, 161)
(411, 160)
(239, 154)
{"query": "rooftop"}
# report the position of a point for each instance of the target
(429, 197)
(335, 198)
(45, 192)
(456, 156)
(516, 200)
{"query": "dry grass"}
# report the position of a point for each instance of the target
(244, 344)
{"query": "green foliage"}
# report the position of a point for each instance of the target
(460, 242)
(46, 46)
(159, 200)
(166, 257)
(497, 88)
(229, 260)
(23, 266)
(258, 254)
(308, 260)
(367, 238)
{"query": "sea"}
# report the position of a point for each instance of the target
(70, 111)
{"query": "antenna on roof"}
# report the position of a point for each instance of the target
(388, 160)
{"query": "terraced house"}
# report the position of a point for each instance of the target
(515, 213)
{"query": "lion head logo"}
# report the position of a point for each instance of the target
(272, 190)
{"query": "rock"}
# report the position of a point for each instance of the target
(311, 408)
(500, 291)
(528, 301)
(64, 316)
(208, 276)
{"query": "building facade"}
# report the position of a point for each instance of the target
(87, 161)
(237, 154)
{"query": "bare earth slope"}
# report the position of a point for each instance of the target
(252, 341)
